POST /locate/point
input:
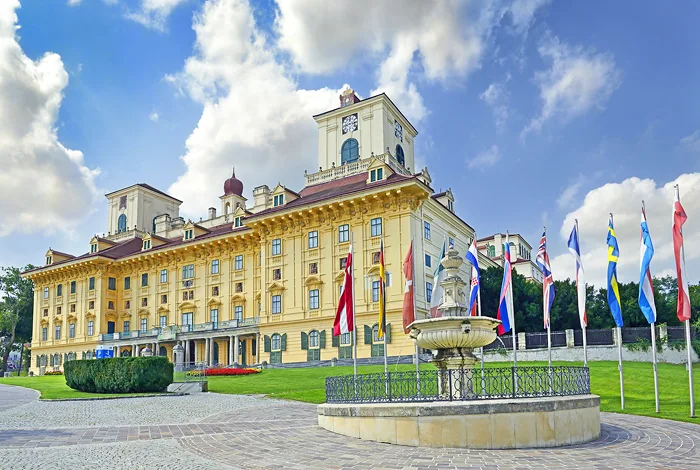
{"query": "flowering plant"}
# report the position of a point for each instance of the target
(218, 371)
(53, 372)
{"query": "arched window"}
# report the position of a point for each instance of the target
(399, 156)
(228, 208)
(276, 342)
(162, 351)
(121, 223)
(349, 152)
(492, 251)
(313, 339)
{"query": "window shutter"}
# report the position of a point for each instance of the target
(368, 335)
(51, 360)
(38, 363)
(284, 342)
(267, 344)
(322, 339)
(335, 341)
(304, 341)
(388, 333)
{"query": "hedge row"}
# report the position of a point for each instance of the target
(119, 375)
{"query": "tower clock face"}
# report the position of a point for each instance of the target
(398, 130)
(350, 123)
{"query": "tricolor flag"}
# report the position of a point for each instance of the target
(344, 315)
(679, 218)
(613, 289)
(646, 288)
(382, 293)
(472, 257)
(575, 250)
(505, 305)
(548, 283)
(408, 311)
(438, 277)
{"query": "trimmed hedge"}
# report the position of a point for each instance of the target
(119, 375)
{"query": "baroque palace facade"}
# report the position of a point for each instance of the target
(259, 281)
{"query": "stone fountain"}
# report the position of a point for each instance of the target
(454, 335)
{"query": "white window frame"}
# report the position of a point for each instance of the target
(276, 247)
(314, 299)
(276, 299)
(344, 233)
(215, 266)
(313, 239)
(238, 262)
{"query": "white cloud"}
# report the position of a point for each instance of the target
(154, 116)
(496, 96)
(485, 159)
(436, 41)
(254, 116)
(43, 185)
(73, 3)
(569, 193)
(153, 13)
(624, 201)
(692, 141)
(523, 13)
(577, 81)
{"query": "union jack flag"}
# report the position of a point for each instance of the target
(548, 281)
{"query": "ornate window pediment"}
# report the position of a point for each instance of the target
(239, 297)
(163, 310)
(313, 280)
(214, 301)
(125, 314)
(275, 286)
(143, 312)
(112, 316)
(186, 305)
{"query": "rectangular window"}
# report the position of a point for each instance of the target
(276, 274)
(91, 328)
(345, 339)
(163, 321)
(112, 283)
(46, 312)
(127, 283)
(313, 299)
(91, 283)
(188, 271)
(376, 227)
(191, 294)
(450, 206)
(276, 247)
(93, 248)
(278, 200)
(343, 233)
(373, 176)
(71, 330)
(313, 239)
(238, 262)
(215, 291)
(428, 291)
(427, 260)
(147, 244)
(59, 290)
(238, 312)
(144, 324)
(451, 241)
(72, 287)
(144, 280)
(380, 173)
(144, 302)
(48, 260)
(376, 257)
(215, 266)
(343, 262)
(214, 316)
(426, 230)
(237, 222)
(57, 333)
(276, 304)
(58, 310)
(189, 234)
(187, 318)
(127, 324)
(127, 305)
(239, 287)
(91, 305)
(44, 334)
(72, 308)
(313, 268)
(46, 292)
(375, 291)
(164, 299)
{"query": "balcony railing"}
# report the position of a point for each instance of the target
(169, 333)
(353, 168)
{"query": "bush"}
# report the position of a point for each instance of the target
(119, 375)
(53, 372)
(223, 371)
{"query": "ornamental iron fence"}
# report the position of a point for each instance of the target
(459, 384)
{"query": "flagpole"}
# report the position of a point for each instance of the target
(653, 336)
(415, 315)
(688, 341)
(383, 301)
(549, 320)
(354, 315)
(478, 306)
(512, 329)
(583, 326)
(619, 354)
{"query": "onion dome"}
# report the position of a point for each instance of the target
(233, 185)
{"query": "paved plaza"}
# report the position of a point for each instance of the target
(228, 431)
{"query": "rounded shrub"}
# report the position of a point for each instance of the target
(119, 375)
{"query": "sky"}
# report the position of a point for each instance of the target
(535, 112)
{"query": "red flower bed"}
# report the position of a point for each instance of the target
(231, 371)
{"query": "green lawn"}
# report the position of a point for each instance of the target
(308, 385)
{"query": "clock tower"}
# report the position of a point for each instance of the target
(359, 129)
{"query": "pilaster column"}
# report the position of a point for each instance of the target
(230, 350)
(187, 351)
(206, 351)
(212, 341)
(236, 349)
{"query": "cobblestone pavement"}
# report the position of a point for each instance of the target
(250, 432)
(12, 397)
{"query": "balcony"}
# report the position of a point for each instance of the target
(354, 168)
(170, 333)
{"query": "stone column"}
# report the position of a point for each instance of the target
(155, 348)
(117, 352)
(211, 351)
(257, 350)
(570, 342)
(236, 350)
(187, 351)
(230, 350)
(206, 351)
(522, 341)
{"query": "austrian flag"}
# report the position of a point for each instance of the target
(344, 317)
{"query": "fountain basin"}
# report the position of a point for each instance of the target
(454, 332)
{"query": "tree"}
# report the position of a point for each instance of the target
(15, 311)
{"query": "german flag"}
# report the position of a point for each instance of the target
(382, 292)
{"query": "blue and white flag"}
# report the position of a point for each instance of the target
(505, 304)
(575, 250)
(646, 288)
(472, 257)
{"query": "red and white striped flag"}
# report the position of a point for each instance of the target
(344, 317)
(679, 218)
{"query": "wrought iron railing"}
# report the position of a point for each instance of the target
(459, 384)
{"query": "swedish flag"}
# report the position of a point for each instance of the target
(613, 289)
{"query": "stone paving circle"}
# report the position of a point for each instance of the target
(215, 431)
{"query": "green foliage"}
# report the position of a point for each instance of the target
(16, 309)
(120, 375)
(642, 344)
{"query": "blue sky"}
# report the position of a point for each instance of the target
(533, 111)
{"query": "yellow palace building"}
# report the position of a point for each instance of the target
(257, 282)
